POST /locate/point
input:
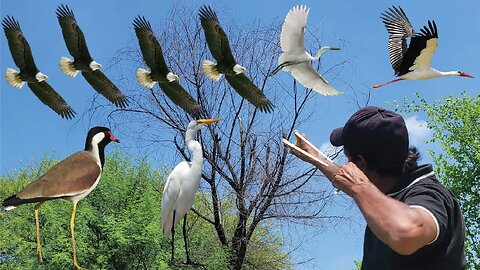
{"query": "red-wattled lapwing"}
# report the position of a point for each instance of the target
(72, 179)
(83, 61)
(412, 63)
(182, 184)
(23, 58)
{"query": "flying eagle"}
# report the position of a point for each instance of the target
(159, 72)
(218, 44)
(29, 73)
(83, 61)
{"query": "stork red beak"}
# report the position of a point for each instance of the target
(463, 74)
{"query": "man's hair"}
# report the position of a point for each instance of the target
(391, 169)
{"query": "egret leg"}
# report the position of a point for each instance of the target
(173, 238)
(37, 223)
(185, 239)
(72, 230)
(282, 65)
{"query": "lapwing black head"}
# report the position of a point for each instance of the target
(100, 136)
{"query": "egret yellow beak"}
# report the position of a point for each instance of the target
(208, 121)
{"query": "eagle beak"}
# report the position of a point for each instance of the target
(208, 121)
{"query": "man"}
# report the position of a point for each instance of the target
(413, 222)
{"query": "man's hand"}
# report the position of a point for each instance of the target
(306, 147)
(349, 178)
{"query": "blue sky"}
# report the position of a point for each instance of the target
(29, 129)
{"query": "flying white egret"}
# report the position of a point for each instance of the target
(295, 59)
(412, 63)
(182, 184)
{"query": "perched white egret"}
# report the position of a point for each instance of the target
(295, 59)
(412, 62)
(182, 184)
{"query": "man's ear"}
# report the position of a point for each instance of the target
(361, 163)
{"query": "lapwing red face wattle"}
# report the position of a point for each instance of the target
(72, 178)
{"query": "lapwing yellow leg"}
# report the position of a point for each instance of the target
(37, 223)
(72, 230)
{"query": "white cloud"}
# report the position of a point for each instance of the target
(417, 130)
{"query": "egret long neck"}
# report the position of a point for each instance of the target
(319, 53)
(195, 149)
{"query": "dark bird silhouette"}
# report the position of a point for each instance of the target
(83, 61)
(159, 71)
(29, 73)
(219, 47)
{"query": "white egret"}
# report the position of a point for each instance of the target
(295, 59)
(412, 63)
(182, 184)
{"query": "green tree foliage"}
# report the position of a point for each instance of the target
(456, 125)
(117, 226)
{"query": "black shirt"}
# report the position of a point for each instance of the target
(421, 189)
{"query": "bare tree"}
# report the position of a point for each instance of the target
(244, 155)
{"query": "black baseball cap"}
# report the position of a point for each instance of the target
(375, 133)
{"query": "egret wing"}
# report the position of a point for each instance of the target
(293, 29)
(19, 47)
(308, 77)
(217, 40)
(72, 34)
(106, 88)
(422, 47)
(149, 45)
(248, 90)
(178, 95)
(170, 195)
(52, 99)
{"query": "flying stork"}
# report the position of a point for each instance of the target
(412, 63)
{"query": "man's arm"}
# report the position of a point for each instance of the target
(404, 229)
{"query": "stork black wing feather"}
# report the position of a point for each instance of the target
(417, 44)
(399, 28)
